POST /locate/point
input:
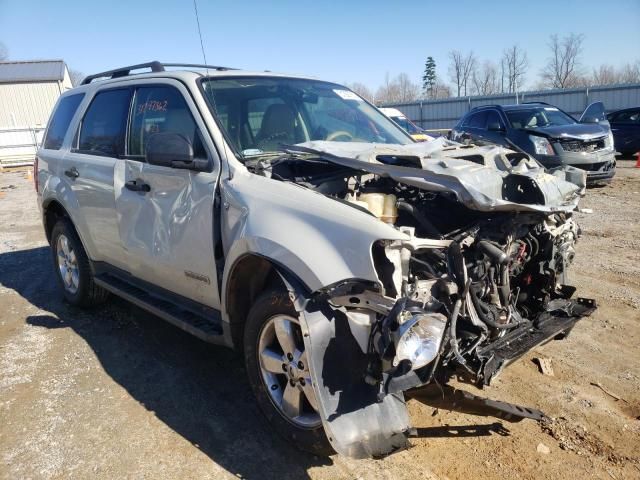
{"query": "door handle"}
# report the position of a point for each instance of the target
(137, 186)
(72, 172)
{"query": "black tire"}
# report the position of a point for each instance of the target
(266, 306)
(87, 293)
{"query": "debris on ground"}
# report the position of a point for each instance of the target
(613, 395)
(575, 438)
(542, 448)
(544, 365)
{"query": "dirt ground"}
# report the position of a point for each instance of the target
(117, 393)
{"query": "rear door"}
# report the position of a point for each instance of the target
(88, 169)
(494, 131)
(475, 127)
(168, 231)
(625, 127)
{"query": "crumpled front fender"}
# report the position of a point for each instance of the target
(356, 422)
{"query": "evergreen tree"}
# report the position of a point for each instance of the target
(429, 77)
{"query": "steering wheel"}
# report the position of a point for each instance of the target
(340, 133)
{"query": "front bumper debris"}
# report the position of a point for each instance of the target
(556, 323)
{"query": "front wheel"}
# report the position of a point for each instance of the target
(278, 371)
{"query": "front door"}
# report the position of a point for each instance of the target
(169, 230)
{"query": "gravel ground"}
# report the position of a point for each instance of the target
(117, 393)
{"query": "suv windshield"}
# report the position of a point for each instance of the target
(538, 117)
(261, 114)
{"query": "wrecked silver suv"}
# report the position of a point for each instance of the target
(290, 219)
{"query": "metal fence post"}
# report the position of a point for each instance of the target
(586, 95)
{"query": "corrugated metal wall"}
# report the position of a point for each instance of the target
(435, 114)
(27, 104)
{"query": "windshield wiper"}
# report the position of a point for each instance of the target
(266, 161)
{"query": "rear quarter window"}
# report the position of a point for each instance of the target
(60, 121)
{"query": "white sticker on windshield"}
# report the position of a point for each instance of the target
(251, 151)
(551, 109)
(347, 95)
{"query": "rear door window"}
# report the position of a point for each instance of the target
(60, 121)
(105, 123)
(161, 109)
(477, 120)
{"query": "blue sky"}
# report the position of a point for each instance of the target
(343, 41)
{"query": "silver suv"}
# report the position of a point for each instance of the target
(288, 218)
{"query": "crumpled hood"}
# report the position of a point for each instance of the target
(485, 182)
(582, 131)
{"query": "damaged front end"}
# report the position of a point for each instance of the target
(478, 279)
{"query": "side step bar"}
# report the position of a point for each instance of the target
(207, 328)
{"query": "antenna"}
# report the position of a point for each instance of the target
(204, 56)
(195, 7)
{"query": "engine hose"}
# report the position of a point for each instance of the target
(425, 265)
(452, 332)
(480, 308)
(424, 222)
(503, 286)
(454, 338)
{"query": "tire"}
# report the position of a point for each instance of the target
(270, 309)
(77, 285)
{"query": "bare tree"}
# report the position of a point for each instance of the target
(629, 73)
(485, 79)
(563, 68)
(407, 90)
(441, 90)
(399, 89)
(76, 77)
(361, 89)
(460, 69)
(604, 75)
(4, 52)
(388, 92)
(515, 64)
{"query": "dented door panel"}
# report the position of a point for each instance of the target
(168, 232)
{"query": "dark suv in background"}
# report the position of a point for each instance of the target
(625, 126)
(547, 133)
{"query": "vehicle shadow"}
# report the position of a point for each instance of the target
(196, 389)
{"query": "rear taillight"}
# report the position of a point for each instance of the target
(35, 173)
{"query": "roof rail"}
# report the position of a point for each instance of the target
(197, 65)
(529, 103)
(155, 66)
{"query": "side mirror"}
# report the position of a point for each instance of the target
(172, 150)
(495, 127)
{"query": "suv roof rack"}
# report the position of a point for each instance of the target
(529, 103)
(155, 66)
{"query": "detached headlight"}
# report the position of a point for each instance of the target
(419, 338)
(541, 145)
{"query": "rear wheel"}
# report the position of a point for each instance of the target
(72, 268)
(278, 371)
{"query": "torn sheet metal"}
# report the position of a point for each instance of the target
(494, 185)
(357, 423)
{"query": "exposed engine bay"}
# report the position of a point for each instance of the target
(481, 278)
